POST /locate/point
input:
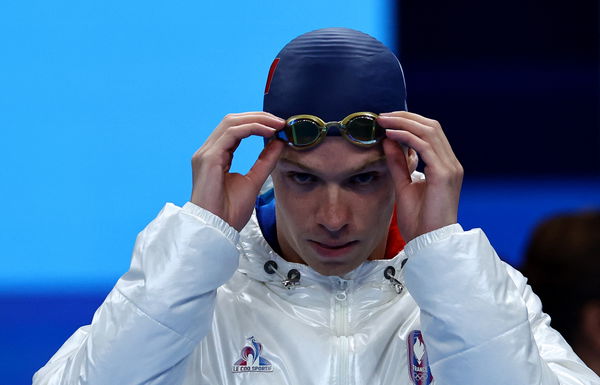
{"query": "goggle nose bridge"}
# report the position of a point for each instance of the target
(333, 128)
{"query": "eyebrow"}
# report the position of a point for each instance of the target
(353, 171)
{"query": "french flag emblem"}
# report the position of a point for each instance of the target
(418, 363)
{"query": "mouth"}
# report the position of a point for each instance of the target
(332, 249)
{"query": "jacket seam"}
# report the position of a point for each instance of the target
(152, 319)
(462, 352)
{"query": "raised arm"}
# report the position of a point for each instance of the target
(480, 321)
(162, 307)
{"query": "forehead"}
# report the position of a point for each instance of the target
(334, 155)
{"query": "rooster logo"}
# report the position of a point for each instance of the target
(251, 359)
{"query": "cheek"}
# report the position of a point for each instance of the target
(379, 199)
(373, 210)
(294, 207)
(291, 205)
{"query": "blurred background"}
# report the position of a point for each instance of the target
(102, 105)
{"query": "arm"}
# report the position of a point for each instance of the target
(480, 325)
(163, 306)
(481, 322)
(158, 311)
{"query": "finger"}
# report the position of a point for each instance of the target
(430, 133)
(232, 137)
(423, 148)
(252, 113)
(265, 163)
(237, 119)
(252, 117)
(402, 123)
(396, 162)
(411, 115)
(428, 122)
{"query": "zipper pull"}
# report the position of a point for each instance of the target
(389, 274)
(341, 286)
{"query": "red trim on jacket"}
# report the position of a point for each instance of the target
(395, 242)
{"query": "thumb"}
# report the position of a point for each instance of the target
(396, 162)
(265, 163)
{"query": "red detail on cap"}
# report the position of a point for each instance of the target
(395, 242)
(271, 73)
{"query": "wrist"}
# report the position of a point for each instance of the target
(212, 219)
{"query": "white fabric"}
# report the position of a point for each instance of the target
(197, 291)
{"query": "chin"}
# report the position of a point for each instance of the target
(333, 268)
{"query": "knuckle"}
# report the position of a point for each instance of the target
(198, 154)
(436, 125)
(198, 157)
(429, 130)
(234, 129)
(229, 118)
(460, 171)
(444, 174)
(427, 146)
(453, 172)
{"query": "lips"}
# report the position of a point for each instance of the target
(333, 245)
(332, 249)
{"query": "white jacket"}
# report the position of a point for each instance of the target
(197, 307)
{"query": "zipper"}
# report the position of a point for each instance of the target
(344, 361)
(341, 330)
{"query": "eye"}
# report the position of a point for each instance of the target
(302, 178)
(363, 179)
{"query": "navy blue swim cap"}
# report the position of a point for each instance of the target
(332, 73)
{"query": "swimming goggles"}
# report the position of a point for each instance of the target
(306, 131)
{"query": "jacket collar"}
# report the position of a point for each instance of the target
(368, 277)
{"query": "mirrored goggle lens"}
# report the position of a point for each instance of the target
(364, 129)
(303, 132)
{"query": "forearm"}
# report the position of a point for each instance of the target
(158, 311)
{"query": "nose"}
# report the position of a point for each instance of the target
(334, 210)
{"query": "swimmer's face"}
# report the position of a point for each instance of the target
(334, 205)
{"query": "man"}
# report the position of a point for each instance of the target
(314, 288)
(562, 263)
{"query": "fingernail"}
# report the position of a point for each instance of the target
(385, 114)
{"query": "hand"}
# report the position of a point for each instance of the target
(231, 196)
(430, 204)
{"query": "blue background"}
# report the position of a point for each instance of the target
(102, 105)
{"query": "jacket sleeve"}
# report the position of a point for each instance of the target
(158, 311)
(481, 322)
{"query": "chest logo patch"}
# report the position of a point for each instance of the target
(418, 363)
(251, 359)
